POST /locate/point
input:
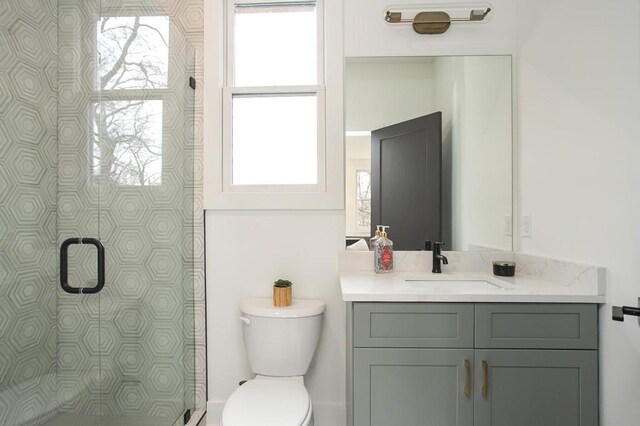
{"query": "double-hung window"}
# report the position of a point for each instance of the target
(274, 97)
(274, 134)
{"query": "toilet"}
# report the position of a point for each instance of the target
(279, 343)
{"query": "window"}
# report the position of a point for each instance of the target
(273, 127)
(275, 44)
(133, 78)
(274, 122)
(287, 126)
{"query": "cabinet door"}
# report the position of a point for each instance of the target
(412, 387)
(536, 387)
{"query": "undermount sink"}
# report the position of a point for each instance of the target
(448, 285)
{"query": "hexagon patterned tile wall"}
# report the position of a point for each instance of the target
(152, 236)
(27, 211)
(137, 347)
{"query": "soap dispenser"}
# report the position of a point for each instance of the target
(383, 253)
(375, 238)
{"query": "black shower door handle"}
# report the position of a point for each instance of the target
(64, 266)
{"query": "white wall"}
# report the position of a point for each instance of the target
(246, 252)
(357, 156)
(578, 127)
(482, 169)
(380, 93)
(447, 97)
(579, 139)
(249, 249)
(368, 34)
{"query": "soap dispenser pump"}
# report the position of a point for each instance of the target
(375, 238)
(383, 253)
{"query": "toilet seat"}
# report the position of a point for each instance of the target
(274, 402)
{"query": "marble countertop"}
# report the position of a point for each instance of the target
(364, 286)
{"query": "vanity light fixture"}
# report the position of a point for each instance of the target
(435, 22)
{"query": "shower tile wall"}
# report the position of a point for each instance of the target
(28, 171)
(154, 235)
(143, 313)
(78, 214)
(188, 15)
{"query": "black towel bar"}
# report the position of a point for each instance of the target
(620, 311)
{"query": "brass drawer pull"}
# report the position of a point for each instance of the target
(485, 386)
(467, 385)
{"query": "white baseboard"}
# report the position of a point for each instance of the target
(214, 412)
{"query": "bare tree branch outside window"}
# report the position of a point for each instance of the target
(132, 76)
(363, 200)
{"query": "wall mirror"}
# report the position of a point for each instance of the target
(428, 150)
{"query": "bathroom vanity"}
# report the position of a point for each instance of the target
(474, 364)
(467, 348)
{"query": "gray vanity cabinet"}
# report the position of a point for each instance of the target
(412, 387)
(412, 363)
(536, 387)
(463, 364)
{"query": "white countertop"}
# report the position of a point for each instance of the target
(359, 286)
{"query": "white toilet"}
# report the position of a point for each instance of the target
(280, 343)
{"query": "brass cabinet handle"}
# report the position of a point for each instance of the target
(467, 385)
(485, 386)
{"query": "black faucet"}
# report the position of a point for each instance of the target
(438, 257)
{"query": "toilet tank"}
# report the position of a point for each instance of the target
(281, 341)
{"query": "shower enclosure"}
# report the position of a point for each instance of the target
(101, 252)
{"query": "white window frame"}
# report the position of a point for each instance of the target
(230, 90)
(220, 194)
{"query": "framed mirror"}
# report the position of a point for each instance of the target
(428, 151)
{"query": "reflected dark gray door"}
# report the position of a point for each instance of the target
(406, 181)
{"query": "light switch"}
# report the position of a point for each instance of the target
(527, 231)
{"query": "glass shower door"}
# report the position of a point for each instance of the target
(97, 258)
(125, 179)
(79, 338)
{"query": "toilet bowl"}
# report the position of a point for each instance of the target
(280, 344)
(269, 402)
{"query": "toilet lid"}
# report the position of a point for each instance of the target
(266, 402)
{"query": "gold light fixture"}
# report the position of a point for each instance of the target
(434, 22)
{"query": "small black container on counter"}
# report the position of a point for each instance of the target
(504, 268)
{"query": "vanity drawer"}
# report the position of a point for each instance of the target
(415, 325)
(530, 326)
